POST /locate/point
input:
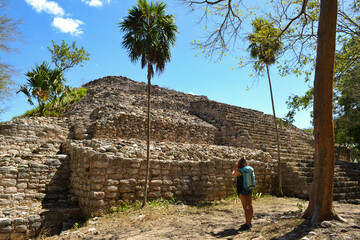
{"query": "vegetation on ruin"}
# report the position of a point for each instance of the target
(57, 107)
(47, 85)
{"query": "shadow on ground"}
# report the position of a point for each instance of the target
(225, 233)
(298, 232)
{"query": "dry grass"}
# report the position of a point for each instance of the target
(274, 218)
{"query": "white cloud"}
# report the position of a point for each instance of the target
(68, 25)
(49, 7)
(95, 3)
(191, 93)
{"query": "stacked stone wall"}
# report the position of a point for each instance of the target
(24, 190)
(104, 180)
(130, 126)
(342, 153)
(37, 127)
(45, 172)
(34, 178)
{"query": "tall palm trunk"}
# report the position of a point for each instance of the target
(147, 136)
(277, 134)
(321, 196)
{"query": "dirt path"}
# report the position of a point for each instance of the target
(274, 218)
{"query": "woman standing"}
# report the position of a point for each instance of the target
(245, 195)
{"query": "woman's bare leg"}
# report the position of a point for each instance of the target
(246, 201)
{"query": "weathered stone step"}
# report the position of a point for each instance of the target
(349, 174)
(347, 184)
(351, 197)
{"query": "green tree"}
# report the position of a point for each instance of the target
(148, 35)
(347, 111)
(265, 46)
(48, 85)
(65, 56)
(9, 33)
(44, 84)
(346, 96)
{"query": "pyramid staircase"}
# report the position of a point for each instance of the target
(248, 128)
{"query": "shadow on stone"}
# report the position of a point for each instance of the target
(62, 209)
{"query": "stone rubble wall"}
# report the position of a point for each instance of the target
(95, 155)
(34, 178)
(24, 191)
(37, 127)
(342, 153)
(253, 129)
(130, 126)
(102, 179)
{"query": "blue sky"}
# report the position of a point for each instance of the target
(93, 24)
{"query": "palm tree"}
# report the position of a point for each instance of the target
(148, 35)
(265, 46)
(43, 84)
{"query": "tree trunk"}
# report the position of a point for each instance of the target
(321, 196)
(147, 137)
(277, 134)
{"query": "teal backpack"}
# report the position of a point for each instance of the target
(248, 177)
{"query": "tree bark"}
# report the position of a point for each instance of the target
(321, 196)
(277, 134)
(147, 137)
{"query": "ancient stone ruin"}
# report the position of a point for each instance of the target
(92, 159)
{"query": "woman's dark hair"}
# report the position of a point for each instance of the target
(242, 163)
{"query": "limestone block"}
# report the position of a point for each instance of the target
(110, 171)
(13, 152)
(96, 186)
(135, 165)
(125, 189)
(4, 236)
(168, 195)
(17, 236)
(97, 203)
(4, 222)
(154, 194)
(195, 178)
(97, 179)
(112, 195)
(8, 182)
(98, 171)
(167, 182)
(125, 181)
(10, 190)
(53, 162)
(111, 189)
(20, 221)
(20, 228)
(22, 186)
(6, 229)
(19, 196)
(156, 182)
(97, 194)
(155, 171)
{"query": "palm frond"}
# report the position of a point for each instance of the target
(148, 35)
